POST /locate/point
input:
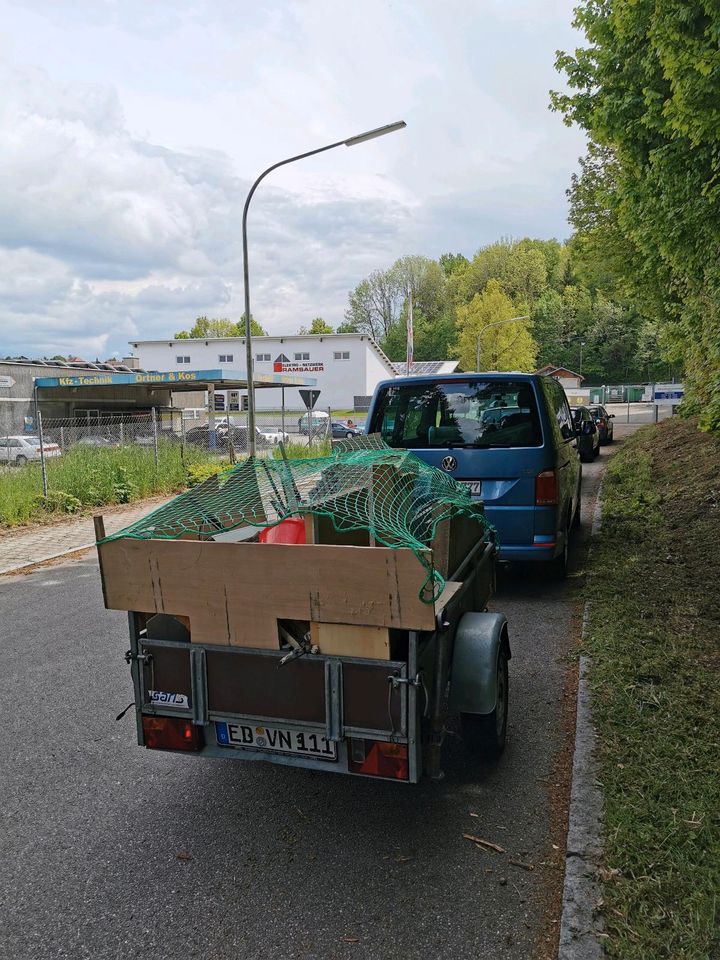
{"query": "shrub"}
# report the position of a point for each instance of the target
(197, 472)
(57, 502)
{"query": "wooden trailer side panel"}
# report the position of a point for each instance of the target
(234, 593)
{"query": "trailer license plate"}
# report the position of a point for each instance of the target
(275, 740)
(474, 487)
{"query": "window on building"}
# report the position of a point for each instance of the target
(262, 357)
(182, 359)
(302, 356)
(341, 355)
(225, 358)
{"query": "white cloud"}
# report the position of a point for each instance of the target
(125, 160)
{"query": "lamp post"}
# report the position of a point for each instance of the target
(582, 344)
(496, 323)
(350, 142)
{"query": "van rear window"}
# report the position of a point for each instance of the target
(472, 413)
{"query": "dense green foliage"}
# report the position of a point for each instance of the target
(220, 327)
(579, 315)
(89, 477)
(653, 639)
(646, 204)
(317, 326)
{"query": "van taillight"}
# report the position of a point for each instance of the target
(377, 758)
(546, 489)
(171, 733)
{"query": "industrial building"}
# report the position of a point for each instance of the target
(345, 366)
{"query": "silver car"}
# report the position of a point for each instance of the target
(20, 448)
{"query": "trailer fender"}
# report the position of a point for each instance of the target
(478, 640)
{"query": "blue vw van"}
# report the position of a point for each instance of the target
(509, 437)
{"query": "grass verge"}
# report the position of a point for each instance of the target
(86, 477)
(654, 641)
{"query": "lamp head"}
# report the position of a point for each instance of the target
(377, 132)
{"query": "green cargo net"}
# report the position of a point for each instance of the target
(365, 485)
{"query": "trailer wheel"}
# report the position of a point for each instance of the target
(484, 733)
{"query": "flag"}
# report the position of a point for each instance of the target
(409, 334)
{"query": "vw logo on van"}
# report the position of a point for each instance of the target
(449, 463)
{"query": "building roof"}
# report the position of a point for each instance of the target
(112, 367)
(422, 368)
(550, 370)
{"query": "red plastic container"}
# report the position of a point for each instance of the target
(291, 530)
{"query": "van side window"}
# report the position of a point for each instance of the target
(559, 408)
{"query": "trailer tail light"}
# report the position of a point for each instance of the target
(171, 733)
(546, 489)
(377, 758)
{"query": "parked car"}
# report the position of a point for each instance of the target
(317, 421)
(508, 437)
(99, 442)
(603, 419)
(224, 436)
(273, 435)
(588, 435)
(342, 431)
(20, 448)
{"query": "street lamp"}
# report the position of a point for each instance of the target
(495, 323)
(350, 142)
(582, 344)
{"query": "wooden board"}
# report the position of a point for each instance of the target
(453, 540)
(234, 593)
(351, 640)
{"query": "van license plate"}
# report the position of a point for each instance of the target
(474, 487)
(255, 736)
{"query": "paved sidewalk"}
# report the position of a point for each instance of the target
(27, 546)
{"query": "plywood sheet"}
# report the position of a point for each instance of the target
(234, 593)
(351, 640)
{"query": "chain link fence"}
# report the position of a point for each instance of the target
(222, 434)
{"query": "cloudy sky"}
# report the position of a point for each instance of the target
(130, 131)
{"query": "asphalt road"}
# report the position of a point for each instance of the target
(111, 851)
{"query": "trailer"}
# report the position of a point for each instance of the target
(314, 630)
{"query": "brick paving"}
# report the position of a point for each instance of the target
(29, 545)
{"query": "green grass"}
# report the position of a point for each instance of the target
(653, 638)
(301, 451)
(87, 477)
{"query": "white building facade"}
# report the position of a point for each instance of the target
(346, 366)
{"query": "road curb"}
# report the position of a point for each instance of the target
(581, 927)
(20, 567)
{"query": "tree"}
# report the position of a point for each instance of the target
(204, 327)
(378, 306)
(375, 304)
(207, 329)
(432, 340)
(646, 92)
(317, 326)
(255, 329)
(508, 346)
(347, 327)
(453, 263)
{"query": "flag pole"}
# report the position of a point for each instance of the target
(410, 344)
